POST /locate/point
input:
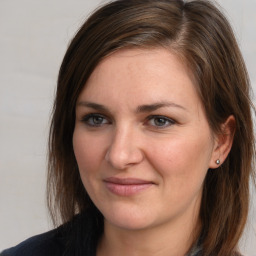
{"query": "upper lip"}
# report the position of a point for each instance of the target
(127, 181)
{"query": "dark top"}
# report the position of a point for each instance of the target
(50, 243)
(53, 243)
(77, 237)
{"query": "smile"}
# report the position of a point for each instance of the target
(126, 187)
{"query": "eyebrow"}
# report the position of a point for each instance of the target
(155, 106)
(92, 105)
(139, 109)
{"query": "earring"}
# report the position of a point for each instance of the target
(218, 161)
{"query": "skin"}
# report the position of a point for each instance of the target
(170, 146)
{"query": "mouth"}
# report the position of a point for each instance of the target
(127, 186)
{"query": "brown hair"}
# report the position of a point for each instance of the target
(199, 33)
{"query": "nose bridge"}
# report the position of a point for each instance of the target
(124, 149)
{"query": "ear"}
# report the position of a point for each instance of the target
(223, 142)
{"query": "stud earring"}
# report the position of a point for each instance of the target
(218, 161)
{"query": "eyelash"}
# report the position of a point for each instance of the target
(88, 119)
(163, 118)
(91, 118)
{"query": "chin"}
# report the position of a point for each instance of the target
(129, 218)
(129, 223)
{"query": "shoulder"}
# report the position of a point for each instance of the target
(49, 243)
(79, 236)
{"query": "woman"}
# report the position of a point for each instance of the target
(151, 143)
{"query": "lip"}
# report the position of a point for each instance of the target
(127, 186)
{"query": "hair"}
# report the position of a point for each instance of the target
(201, 36)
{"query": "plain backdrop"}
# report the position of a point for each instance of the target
(34, 35)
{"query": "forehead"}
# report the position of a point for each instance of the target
(141, 75)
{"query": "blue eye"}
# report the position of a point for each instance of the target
(160, 121)
(95, 120)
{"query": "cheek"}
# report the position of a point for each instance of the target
(88, 152)
(182, 161)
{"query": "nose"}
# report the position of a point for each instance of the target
(124, 149)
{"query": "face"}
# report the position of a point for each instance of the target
(141, 140)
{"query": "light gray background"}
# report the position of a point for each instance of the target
(33, 38)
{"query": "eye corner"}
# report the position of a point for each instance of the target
(160, 121)
(94, 120)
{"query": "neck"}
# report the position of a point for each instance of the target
(168, 240)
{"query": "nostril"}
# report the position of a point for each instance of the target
(120, 158)
(124, 149)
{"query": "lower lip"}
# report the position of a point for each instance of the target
(127, 190)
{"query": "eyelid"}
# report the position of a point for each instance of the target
(85, 119)
(168, 119)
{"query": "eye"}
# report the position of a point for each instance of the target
(95, 120)
(160, 121)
